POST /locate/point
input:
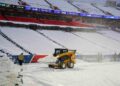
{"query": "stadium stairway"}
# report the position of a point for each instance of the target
(51, 6)
(109, 44)
(30, 58)
(81, 10)
(107, 13)
(50, 39)
(89, 40)
(108, 37)
(63, 46)
(9, 39)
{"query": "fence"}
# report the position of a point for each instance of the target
(100, 58)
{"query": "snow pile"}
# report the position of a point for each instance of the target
(8, 72)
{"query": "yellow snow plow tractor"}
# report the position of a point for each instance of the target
(65, 58)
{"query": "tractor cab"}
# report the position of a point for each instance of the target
(65, 58)
(59, 51)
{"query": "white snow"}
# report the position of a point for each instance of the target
(30, 40)
(8, 72)
(111, 10)
(38, 3)
(84, 74)
(88, 7)
(111, 34)
(103, 41)
(84, 42)
(63, 5)
(9, 47)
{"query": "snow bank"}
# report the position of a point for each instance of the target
(8, 72)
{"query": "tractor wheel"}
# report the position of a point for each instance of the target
(62, 65)
(70, 64)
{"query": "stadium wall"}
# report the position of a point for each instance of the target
(44, 21)
(29, 58)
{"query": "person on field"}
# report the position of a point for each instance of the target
(21, 59)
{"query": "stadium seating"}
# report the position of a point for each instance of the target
(8, 46)
(85, 43)
(111, 10)
(89, 8)
(63, 5)
(45, 42)
(108, 43)
(84, 5)
(14, 2)
(38, 3)
(32, 38)
(28, 38)
(111, 34)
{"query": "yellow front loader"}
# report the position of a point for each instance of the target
(65, 58)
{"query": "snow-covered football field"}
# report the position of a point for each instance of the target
(83, 74)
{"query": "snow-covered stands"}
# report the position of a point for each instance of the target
(29, 58)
